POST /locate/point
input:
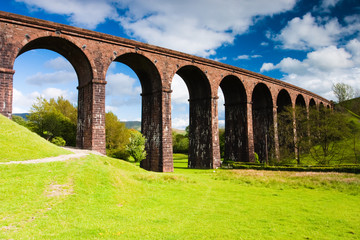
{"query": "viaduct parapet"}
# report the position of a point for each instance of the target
(252, 100)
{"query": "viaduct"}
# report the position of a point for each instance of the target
(252, 100)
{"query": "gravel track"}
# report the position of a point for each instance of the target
(77, 153)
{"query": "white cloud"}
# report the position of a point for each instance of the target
(180, 123)
(83, 13)
(59, 63)
(180, 93)
(246, 57)
(120, 84)
(196, 27)
(322, 68)
(23, 102)
(267, 67)
(58, 77)
(309, 33)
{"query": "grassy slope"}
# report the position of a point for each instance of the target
(103, 198)
(18, 143)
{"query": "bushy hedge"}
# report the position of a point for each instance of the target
(337, 168)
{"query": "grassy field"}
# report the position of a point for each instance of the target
(104, 198)
(18, 143)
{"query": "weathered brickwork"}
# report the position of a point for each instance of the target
(252, 101)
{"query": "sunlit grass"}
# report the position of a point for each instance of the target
(104, 198)
(18, 143)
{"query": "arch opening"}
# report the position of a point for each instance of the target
(84, 73)
(236, 142)
(200, 115)
(151, 110)
(285, 124)
(262, 111)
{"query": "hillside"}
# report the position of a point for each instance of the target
(352, 105)
(99, 197)
(18, 143)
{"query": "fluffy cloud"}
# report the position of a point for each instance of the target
(83, 13)
(23, 102)
(60, 64)
(309, 33)
(196, 27)
(120, 84)
(246, 57)
(58, 77)
(180, 93)
(322, 68)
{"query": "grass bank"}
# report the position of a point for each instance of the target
(17, 143)
(104, 198)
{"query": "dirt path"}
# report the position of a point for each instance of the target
(77, 153)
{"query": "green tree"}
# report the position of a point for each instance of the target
(328, 128)
(355, 134)
(117, 137)
(343, 91)
(136, 146)
(19, 120)
(290, 143)
(222, 141)
(47, 119)
(180, 143)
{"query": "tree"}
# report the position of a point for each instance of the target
(49, 120)
(136, 146)
(343, 91)
(328, 128)
(288, 142)
(180, 143)
(117, 137)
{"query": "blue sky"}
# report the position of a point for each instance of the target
(309, 43)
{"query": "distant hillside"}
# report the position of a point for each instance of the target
(352, 105)
(133, 125)
(23, 115)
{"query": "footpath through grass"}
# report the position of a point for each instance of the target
(17, 143)
(104, 198)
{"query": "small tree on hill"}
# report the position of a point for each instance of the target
(136, 146)
(117, 137)
(328, 129)
(343, 91)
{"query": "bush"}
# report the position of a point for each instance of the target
(118, 153)
(59, 141)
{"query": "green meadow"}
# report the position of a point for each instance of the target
(104, 198)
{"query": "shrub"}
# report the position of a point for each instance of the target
(59, 141)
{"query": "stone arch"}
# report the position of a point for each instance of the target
(284, 102)
(300, 101)
(200, 124)
(89, 135)
(262, 114)
(236, 141)
(312, 103)
(152, 110)
(68, 50)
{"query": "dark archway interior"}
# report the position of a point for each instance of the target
(285, 126)
(312, 103)
(69, 51)
(262, 110)
(200, 134)
(151, 114)
(236, 142)
(300, 101)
